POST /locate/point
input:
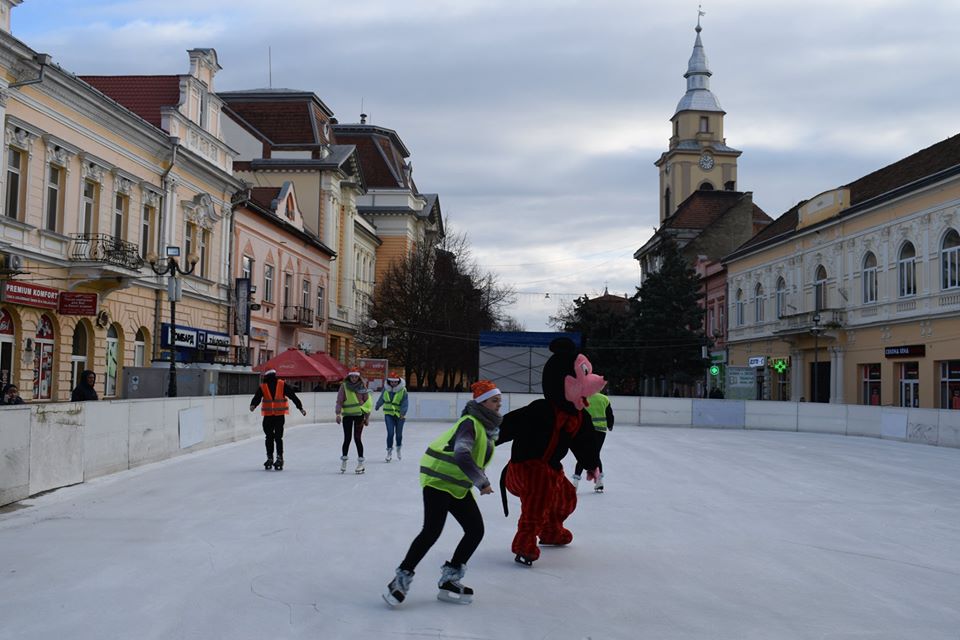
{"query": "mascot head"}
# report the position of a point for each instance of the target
(568, 378)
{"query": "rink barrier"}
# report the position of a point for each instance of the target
(51, 445)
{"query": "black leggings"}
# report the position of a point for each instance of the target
(601, 436)
(436, 505)
(352, 426)
(273, 430)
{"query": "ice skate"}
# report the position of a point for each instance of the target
(575, 479)
(398, 453)
(389, 454)
(451, 589)
(398, 587)
(524, 560)
(598, 485)
(269, 463)
(278, 465)
(360, 468)
(343, 464)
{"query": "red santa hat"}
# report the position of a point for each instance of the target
(484, 390)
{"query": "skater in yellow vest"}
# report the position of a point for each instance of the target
(453, 464)
(354, 405)
(602, 416)
(394, 401)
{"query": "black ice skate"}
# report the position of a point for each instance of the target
(278, 465)
(398, 587)
(451, 589)
(524, 560)
(268, 464)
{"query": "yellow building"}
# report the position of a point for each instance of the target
(853, 296)
(92, 188)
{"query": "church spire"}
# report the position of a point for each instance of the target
(698, 96)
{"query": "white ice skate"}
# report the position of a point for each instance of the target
(451, 589)
(598, 485)
(343, 464)
(398, 453)
(389, 454)
(360, 468)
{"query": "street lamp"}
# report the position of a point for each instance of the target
(816, 330)
(173, 293)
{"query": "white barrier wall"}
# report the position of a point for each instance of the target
(46, 446)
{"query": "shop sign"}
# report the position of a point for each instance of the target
(374, 371)
(757, 362)
(186, 336)
(215, 341)
(77, 304)
(906, 351)
(256, 333)
(193, 338)
(30, 295)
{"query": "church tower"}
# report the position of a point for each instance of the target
(698, 157)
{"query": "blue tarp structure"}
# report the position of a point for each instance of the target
(514, 359)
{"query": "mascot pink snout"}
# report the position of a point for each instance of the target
(586, 383)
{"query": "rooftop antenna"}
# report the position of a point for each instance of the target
(363, 116)
(269, 67)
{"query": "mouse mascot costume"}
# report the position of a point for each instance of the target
(542, 433)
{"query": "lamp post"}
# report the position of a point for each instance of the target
(816, 331)
(172, 267)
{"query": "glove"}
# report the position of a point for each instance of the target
(252, 408)
(303, 411)
(338, 418)
(593, 475)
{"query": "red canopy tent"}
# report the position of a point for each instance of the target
(328, 362)
(294, 363)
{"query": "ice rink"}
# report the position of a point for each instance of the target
(705, 534)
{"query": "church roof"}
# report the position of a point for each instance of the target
(698, 96)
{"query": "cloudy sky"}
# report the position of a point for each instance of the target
(538, 121)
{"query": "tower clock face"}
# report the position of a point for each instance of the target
(706, 162)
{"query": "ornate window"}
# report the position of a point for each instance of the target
(869, 277)
(950, 260)
(781, 297)
(739, 307)
(907, 271)
(820, 289)
(758, 303)
(268, 283)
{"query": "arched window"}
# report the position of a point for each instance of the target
(140, 348)
(113, 356)
(950, 260)
(730, 185)
(43, 359)
(706, 186)
(781, 297)
(820, 289)
(907, 271)
(78, 355)
(758, 303)
(739, 307)
(869, 274)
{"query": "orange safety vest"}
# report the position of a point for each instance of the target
(273, 406)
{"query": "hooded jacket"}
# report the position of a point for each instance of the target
(83, 391)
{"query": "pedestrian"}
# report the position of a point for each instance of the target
(601, 414)
(11, 395)
(452, 464)
(353, 412)
(85, 388)
(274, 393)
(395, 402)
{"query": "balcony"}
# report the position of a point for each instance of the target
(297, 315)
(803, 322)
(102, 249)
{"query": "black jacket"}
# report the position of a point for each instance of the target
(271, 383)
(84, 391)
(531, 428)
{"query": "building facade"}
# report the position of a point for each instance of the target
(853, 296)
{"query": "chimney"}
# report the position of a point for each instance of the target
(363, 118)
(6, 6)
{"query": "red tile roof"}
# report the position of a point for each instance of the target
(264, 196)
(282, 122)
(376, 157)
(143, 95)
(923, 163)
(702, 208)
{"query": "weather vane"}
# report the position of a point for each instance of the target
(700, 14)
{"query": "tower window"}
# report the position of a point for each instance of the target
(704, 124)
(706, 186)
(730, 186)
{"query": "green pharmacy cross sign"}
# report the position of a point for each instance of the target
(780, 366)
(714, 370)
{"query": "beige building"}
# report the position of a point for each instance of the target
(98, 174)
(853, 296)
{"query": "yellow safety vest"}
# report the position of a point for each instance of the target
(598, 410)
(392, 401)
(351, 404)
(439, 470)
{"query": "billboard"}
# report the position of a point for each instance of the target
(374, 371)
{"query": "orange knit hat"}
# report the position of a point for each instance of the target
(484, 390)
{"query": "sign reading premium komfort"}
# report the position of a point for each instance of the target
(30, 295)
(906, 351)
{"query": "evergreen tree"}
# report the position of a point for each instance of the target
(669, 320)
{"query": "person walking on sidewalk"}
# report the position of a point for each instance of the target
(602, 416)
(274, 393)
(353, 412)
(85, 391)
(394, 401)
(452, 465)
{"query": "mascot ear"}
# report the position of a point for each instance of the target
(564, 346)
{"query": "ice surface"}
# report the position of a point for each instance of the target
(701, 534)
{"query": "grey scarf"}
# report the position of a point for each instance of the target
(489, 418)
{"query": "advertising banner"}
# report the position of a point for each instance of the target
(30, 295)
(77, 304)
(374, 371)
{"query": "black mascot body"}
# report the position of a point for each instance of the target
(542, 433)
